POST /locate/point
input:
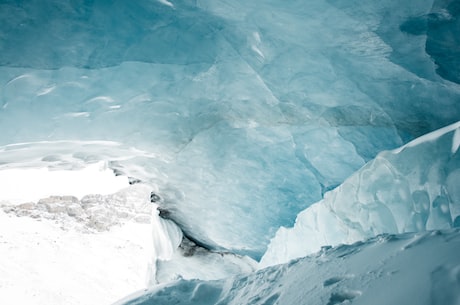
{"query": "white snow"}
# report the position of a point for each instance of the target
(43, 264)
(98, 247)
(49, 259)
(421, 268)
(21, 185)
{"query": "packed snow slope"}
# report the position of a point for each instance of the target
(242, 113)
(422, 268)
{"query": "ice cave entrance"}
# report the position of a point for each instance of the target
(20, 185)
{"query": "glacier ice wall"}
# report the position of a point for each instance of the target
(410, 189)
(247, 112)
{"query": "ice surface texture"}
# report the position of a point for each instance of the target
(413, 188)
(422, 268)
(248, 112)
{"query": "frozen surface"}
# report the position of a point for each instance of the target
(421, 268)
(94, 248)
(237, 115)
(241, 117)
(174, 257)
(190, 261)
(43, 182)
(44, 264)
(409, 189)
(64, 249)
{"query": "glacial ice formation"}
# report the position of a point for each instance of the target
(409, 189)
(240, 115)
(175, 257)
(248, 112)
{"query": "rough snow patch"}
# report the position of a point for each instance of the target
(411, 268)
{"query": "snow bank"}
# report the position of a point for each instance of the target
(412, 268)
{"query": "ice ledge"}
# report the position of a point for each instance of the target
(413, 188)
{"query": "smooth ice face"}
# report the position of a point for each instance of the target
(413, 188)
(244, 117)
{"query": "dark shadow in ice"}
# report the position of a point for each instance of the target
(442, 29)
(342, 296)
(335, 279)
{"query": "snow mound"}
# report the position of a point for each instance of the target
(411, 268)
